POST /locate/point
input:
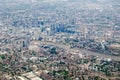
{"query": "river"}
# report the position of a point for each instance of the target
(88, 52)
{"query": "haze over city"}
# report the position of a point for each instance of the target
(59, 39)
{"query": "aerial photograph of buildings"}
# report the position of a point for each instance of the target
(59, 39)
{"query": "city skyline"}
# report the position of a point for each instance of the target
(59, 40)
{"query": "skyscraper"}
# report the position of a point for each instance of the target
(48, 30)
